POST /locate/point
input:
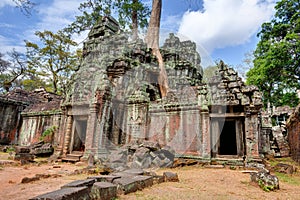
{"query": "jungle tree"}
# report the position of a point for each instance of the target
(276, 69)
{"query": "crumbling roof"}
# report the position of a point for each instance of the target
(37, 100)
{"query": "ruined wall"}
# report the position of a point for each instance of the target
(293, 127)
(34, 124)
(10, 120)
(181, 130)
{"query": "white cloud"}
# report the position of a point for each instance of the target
(58, 15)
(6, 3)
(8, 45)
(224, 23)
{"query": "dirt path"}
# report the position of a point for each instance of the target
(11, 177)
(195, 183)
(202, 183)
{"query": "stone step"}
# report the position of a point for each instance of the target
(66, 159)
(73, 157)
(79, 153)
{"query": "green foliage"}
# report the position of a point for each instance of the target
(53, 60)
(266, 188)
(276, 69)
(48, 132)
(13, 68)
(93, 10)
(290, 179)
(10, 149)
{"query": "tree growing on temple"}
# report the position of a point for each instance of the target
(132, 14)
(152, 41)
(132, 11)
(276, 69)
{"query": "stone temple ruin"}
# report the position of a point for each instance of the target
(115, 100)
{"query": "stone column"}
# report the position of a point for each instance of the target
(67, 135)
(251, 133)
(90, 130)
(205, 128)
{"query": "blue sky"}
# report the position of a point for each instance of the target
(222, 29)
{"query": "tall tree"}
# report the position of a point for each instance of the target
(12, 69)
(152, 40)
(131, 13)
(54, 60)
(276, 68)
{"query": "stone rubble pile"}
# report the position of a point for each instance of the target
(41, 149)
(141, 156)
(26, 154)
(106, 187)
(265, 180)
(23, 154)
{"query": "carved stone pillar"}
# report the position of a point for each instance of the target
(90, 131)
(206, 143)
(251, 133)
(67, 135)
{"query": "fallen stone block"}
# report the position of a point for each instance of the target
(28, 180)
(285, 168)
(22, 149)
(158, 179)
(103, 191)
(104, 178)
(24, 157)
(170, 177)
(126, 185)
(143, 181)
(68, 193)
(134, 172)
(80, 183)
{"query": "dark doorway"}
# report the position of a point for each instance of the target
(79, 135)
(228, 144)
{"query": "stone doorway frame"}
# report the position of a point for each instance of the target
(219, 120)
(76, 120)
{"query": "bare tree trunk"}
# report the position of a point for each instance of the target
(152, 40)
(134, 18)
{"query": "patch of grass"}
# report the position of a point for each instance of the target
(290, 179)
(287, 160)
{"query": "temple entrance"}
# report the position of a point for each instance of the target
(228, 141)
(227, 136)
(79, 134)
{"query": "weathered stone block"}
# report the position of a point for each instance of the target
(103, 191)
(170, 177)
(104, 178)
(80, 183)
(70, 193)
(134, 172)
(24, 157)
(143, 181)
(158, 179)
(22, 149)
(126, 185)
